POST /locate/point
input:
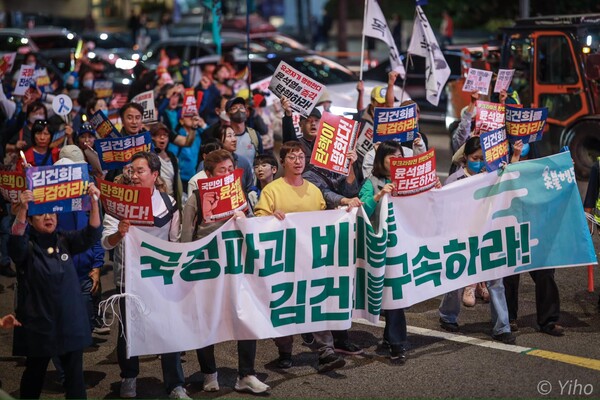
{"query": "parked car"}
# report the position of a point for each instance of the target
(114, 48)
(52, 40)
(15, 40)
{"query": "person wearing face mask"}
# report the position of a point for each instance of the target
(449, 309)
(248, 141)
(94, 105)
(87, 80)
(20, 134)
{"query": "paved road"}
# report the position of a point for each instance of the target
(468, 364)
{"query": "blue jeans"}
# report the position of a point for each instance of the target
(451, 302)
(395, 328)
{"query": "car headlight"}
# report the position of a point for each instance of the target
(125, 64)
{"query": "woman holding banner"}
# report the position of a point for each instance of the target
(450, 306)
(49, 302)
(371, 193)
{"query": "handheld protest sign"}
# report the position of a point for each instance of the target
(58, 188)
(190, 107)
(302, 91)
(222, 196)
(478, 79)
(103, 88)
(102, 125)
(115, 153)
(336, 136)
(146, 100)
(525, 124)
(364, 143)
(127, 202)
(12, 183)
(503, 80)
(25, 80)
(6, 63)
(412, 175)
(494, 146)
(399, 123)
(62, 105)
(489, 116)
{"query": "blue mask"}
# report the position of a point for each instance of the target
(475, 166)
(525, 150)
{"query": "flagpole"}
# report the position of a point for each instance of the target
(362, 48)
(408, 59)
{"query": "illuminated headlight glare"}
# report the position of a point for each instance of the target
(125, 64)
(586, 50)
(91, 55)
(135, 57)
(126, 81)
(588, 40)
(70, 36)
(103, 36)
(24, 40)
(111, 56)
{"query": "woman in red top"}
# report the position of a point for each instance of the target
(40, 153)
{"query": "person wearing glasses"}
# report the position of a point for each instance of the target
(293, 193)
(39, 154)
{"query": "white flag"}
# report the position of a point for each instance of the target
(375, 26)
(424, 44)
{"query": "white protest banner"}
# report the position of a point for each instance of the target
(503, 81)
(146, 100)
(24, 80)
(423, 43)
(259, 278)
(213, 290)
(375, 26)
(62, 105)
(478, 79)
(302, 91)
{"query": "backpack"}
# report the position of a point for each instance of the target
(162, 221)
(253, 138)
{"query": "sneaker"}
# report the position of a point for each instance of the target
(284, 361)
(102, 330)
(179, 393)
(469, 296)
(506, 338)
(128, 388)
(330, 362)
(383, 348)
(513, 326)
(553, 330)
(7, 271)
(250, 383)
(482, 292)
(449, 326)
(211, 383)
(307, 338)
(398, 355)
(346, 347)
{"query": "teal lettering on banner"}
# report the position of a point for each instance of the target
(296, 314)
(284, 256)
(156, 264)
(342, 292)
(204, 263)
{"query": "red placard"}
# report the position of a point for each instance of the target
(336, 136)
(189, 103)
(489, 116)
(412, 175)
(127, 202)
(222, 196)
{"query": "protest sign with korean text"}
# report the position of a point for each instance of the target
(398, 123)
(58, 188)
(103, 88)
(478, 79)
(6, 63)
(489, 116)
(116, 153)
(494, 146)
(222, 196)
(25, 79)
(132, 203)
(364, 143)
(190, 107)
(263, 87)
(103, 127)
(525, 124)
(42, 80)
(12, 183)
(336, 136)
(503, 81)
(412, 175)
(146, 100)
(302, 91)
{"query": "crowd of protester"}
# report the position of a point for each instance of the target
(231, 128)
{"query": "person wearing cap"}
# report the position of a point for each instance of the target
(249, 143)
(325, 101)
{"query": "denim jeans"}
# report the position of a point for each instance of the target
(451, 302)
(395, 328)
